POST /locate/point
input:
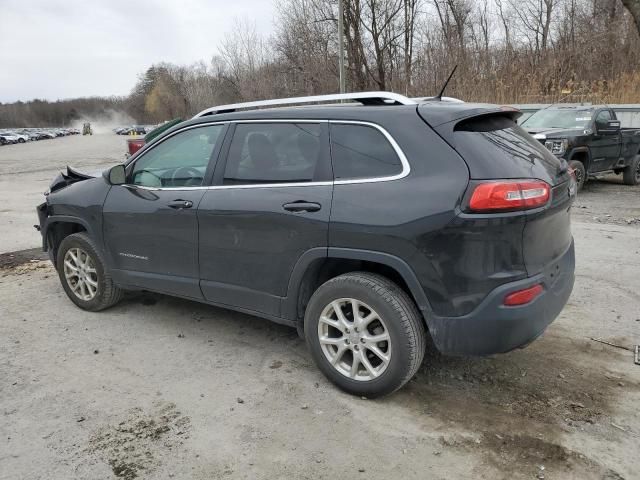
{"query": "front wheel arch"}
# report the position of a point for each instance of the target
(582, 155)
(57, 230)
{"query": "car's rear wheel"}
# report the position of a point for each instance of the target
(631, 174)
(83, 275)
(365, 334)
(580, 173)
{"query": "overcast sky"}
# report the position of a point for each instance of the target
(57, 49)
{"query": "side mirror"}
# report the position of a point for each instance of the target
(612, 128)
(115, 175)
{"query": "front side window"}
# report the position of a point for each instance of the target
(361, 152)
(179, 161)
(263, 153)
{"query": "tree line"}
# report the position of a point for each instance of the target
(507, 51)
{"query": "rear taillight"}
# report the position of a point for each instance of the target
(496, 196)
(522, 297)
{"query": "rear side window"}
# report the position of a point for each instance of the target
(494, 146)
(360, 152)
(273, 153)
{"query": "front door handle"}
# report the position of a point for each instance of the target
(302, 206)
(180, 204)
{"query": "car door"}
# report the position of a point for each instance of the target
(605, 147)
(150, 224)
(270, 204)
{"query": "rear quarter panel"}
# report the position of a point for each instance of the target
(408, 217)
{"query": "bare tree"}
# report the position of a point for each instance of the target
(517, 51)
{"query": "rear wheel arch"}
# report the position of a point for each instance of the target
(317, 266)
(631, 173)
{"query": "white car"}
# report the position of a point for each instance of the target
(7, 138)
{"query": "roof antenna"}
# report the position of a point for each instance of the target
(439, 96)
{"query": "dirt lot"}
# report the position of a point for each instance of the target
(158, 387)
(26, 170)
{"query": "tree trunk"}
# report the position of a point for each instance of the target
(634, 9)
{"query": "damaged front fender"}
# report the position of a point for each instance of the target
(63, 179)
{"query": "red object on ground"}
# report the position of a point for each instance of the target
(134, 144)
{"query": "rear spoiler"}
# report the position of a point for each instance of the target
(437, 113)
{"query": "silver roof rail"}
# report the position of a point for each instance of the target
(366, 98)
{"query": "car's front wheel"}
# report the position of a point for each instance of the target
(365, 334)
(83, 275)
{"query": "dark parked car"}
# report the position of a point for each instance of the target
(366, 227)
(590, 138)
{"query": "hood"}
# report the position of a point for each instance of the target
(71, 176)
(544, 133)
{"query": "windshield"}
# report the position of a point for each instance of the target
(559, 119)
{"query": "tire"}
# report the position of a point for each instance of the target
(580, 173)
(21, 140)
(631, 174)
(396, 318)
(105, 292)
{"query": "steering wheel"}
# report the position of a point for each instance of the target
(191, 176)
(159, 179)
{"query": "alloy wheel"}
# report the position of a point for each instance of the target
(354, 339)
(81, 274)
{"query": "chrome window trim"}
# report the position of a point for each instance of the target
(406, 167)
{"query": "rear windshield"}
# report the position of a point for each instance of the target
(559, 119)
(494, 146)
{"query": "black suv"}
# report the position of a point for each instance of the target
(366, 227)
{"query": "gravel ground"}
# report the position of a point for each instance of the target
(26, 170)
(158, 387)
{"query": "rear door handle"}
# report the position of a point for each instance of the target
(180, 204)
(302, 206)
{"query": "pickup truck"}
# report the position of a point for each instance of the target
(136, 142)
(590, 138)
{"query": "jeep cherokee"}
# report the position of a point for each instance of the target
(368, 226)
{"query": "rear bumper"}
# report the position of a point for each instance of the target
(495, 328)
